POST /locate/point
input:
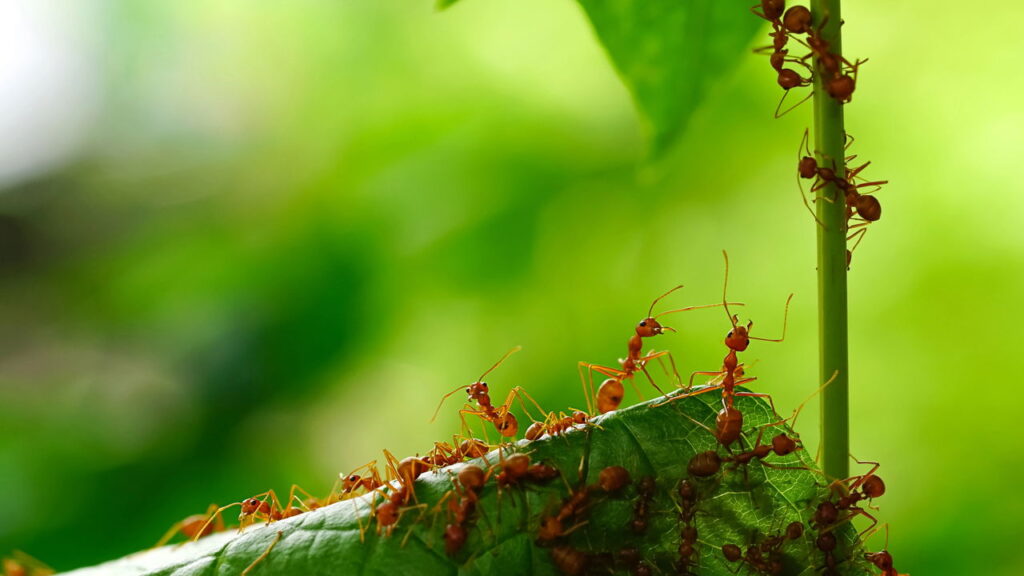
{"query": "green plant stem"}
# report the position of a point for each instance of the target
(829, 140)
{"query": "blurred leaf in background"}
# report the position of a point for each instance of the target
(245, 248)
(669, 53)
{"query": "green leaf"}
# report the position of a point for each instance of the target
(739, 505)
(443, 4)
(669, 52)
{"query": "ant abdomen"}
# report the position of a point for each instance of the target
(728, 425)
(797, 20)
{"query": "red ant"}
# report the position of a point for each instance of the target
(610, 394)
(765, 557)
(403, 473)
(444, 454)
(641, 508)
(857, 489)
(883, 560)
(611, 480)
(794, 20)
(554, 425)
(841, 74)
(687, 493)
(264, 506)
(468, 484)
(502, 418)
(195, 526)
(865, 205)
(730, 420)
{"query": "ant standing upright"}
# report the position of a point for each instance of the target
(729, 422)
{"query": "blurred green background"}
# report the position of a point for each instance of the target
(243, 248)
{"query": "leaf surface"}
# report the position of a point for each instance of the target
(739, 505)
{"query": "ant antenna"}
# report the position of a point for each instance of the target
(785, 322)
(691, 308)
(498, 363)
(796, 413)
(651, 309)
(461, 387)
(725, 288)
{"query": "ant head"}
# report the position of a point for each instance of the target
(650, 327)
(739, 337)
(873, 487)
(476, 389)
(249, 507)
(808, 167)
(350, 482)
(882, 560)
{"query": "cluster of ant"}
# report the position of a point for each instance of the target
(839, 74)
(840, 81)
(472, 467)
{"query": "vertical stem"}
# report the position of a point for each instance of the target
(829, 140)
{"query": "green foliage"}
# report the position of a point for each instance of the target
(669, 53)
(737, 506)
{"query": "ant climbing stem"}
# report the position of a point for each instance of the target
(882, 560)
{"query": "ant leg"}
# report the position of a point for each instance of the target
(518, 392)
(588, 387)
(643, 366)
(263, 556)
(215, 515)
(859, 235)
(793, 107)
(422, 508)
(785, 322)
(862, 478)
(689, 395)
(718, 374)
(171, 532)
(761, 395)
(803, 195)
